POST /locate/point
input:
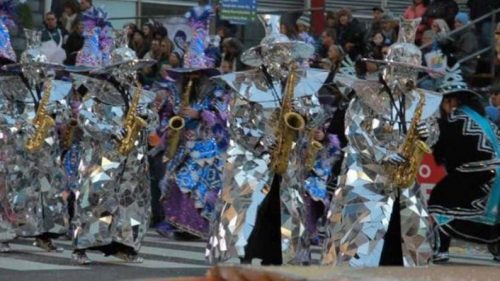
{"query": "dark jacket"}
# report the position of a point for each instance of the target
(73, 45)
(351, 33)
(441, 9)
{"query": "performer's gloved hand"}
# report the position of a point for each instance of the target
(120, 135)
(423, 130)
(395, 158)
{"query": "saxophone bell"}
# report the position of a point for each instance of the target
(294, 121)
(313, 148)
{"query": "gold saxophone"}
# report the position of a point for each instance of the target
(313, 147)
(176, 124)
(43, 122)
(132, 124)
(413, 149)
(289, 125)
(69, 133)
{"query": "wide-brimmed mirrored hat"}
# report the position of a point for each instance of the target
(275, 44)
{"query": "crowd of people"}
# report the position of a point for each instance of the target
(304, 143)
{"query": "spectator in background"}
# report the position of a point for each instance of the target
(493, 110)
(175, 59)
(231, 51)
(349, 34)
(328, 38)
(139, 44)
(51, 31)
(289, 30)
(148, 30)
(69, 16)
(131, 29)
(414, 11)
(389, 30)
(74, 43)
(160, 33)
(166, 48)
(303, 25)
(441, 9)
(484, 27)
(151, 73)
(376, 24)
(441, 40)
(155, 52)
(331, 20)
(465, 44)
(374, 50)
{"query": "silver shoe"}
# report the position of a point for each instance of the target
(80, 258)
(129, 258)
(47, 245)
(5, 247)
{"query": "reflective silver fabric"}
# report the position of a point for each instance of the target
(32, 197)
(362, 205)
(247, 173)
(113, 199)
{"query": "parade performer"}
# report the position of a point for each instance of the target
(32, 190)
(193, 131)
(464, 204)
(97, 32)
(274, 108)
(113, 199)
(6, 51)
(198, 17)
(378, 215)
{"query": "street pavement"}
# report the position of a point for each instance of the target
(162, 259)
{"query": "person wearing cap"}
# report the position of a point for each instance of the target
(303, 26)
(465, 44)
(464, 204)
(493, 109)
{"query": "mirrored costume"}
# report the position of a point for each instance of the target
(113, 198)
(373, 220)
(33, 108)
(249, 216)
(98, 43)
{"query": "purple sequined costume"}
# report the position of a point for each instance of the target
(193, 177)
(198, 20)
(98, 41)
(6, 50)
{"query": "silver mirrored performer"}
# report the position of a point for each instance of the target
(264, 151)
(377, 188)
(33, 106)
(110, 160)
